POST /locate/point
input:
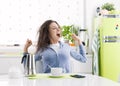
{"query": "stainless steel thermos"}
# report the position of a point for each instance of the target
(29, 64)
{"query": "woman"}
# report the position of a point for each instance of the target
(51, 51)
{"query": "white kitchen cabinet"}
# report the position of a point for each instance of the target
(8, 63)
(79, 67)
(11, 57)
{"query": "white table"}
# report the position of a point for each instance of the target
(89, 80)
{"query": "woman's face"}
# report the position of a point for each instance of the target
(54, 32)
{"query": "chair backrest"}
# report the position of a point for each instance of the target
(39, 67)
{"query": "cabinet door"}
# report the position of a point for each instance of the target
(78, 67)
(7, 63)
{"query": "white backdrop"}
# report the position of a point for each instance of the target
(20, 19)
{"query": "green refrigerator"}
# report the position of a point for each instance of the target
(110, 48)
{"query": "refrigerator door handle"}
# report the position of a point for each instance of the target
(111, 38)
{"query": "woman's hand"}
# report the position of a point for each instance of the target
(27, 45)
(76, 39)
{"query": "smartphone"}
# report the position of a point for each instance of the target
(77, 76)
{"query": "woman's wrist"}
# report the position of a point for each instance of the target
(25, 49)
(79, 42)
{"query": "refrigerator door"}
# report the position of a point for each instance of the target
(110, 48)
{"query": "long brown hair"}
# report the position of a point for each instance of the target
(43, 35)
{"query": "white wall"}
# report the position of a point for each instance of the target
(20, 19)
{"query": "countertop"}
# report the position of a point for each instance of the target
(14, 51)
(89, 80)
(17, 51)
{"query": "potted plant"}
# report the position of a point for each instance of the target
(108, 6)
(67, 30)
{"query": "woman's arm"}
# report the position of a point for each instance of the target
(25, 51)
(81, 55)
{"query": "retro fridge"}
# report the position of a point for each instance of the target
(110, 48)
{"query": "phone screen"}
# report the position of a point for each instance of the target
(77, 76)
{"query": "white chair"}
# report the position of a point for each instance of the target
(39, 67)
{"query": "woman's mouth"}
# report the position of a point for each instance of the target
(58, 35)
